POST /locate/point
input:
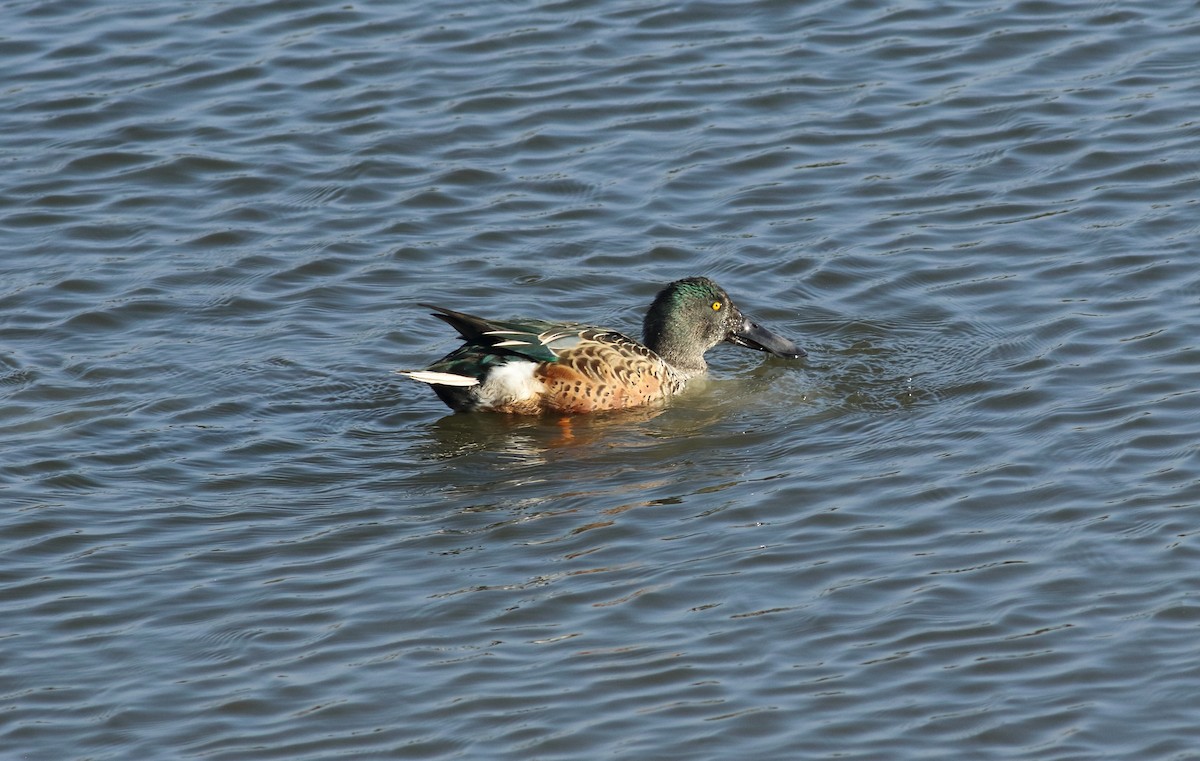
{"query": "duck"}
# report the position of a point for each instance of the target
(534, 367)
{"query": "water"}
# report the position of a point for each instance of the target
(965, 527)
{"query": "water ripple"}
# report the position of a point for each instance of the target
(961, 527)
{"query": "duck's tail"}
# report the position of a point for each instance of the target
(440, 379)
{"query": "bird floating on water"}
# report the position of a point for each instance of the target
(532, 366)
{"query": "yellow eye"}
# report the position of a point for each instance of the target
(716, 306)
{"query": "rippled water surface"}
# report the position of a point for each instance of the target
(966, 527)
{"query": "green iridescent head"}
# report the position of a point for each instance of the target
(692, 315)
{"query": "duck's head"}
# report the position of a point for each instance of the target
(690, 316)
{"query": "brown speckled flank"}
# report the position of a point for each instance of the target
(606, 371)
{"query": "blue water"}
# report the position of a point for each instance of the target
(966, 526)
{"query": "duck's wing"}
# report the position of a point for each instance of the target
(535, 340)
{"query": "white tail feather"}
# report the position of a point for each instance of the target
(440, 379)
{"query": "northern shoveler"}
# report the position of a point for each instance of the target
(532, 367)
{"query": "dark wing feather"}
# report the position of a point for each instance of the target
(535, 340)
